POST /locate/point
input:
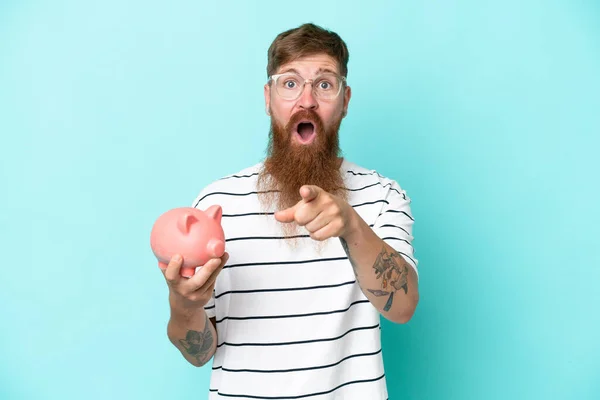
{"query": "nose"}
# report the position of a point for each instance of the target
(307, 100)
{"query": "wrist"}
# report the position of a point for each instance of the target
(182, 309)
(354, 226)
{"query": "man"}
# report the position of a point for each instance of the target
(317, 249)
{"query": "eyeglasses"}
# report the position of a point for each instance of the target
(290, 86)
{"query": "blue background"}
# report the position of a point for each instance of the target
(487, 113)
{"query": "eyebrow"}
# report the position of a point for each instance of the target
(285, 71)
(326, 70)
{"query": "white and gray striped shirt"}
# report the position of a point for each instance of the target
(293, 323)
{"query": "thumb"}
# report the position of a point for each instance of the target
(310, 192)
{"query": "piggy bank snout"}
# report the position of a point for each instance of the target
(215, 247)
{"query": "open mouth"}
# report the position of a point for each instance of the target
(305, 132)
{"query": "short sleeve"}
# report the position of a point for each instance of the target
(394, 225)
(201, 203)
(209, 307)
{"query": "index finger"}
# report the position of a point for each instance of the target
(287, 215)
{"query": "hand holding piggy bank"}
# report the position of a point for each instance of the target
(194, 234)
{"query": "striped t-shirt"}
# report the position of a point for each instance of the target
(292, 322)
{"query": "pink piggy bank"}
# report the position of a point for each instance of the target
(194, 234)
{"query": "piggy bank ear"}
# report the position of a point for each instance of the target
(185, 222)
(215, 212)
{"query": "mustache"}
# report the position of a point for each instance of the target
(305, 115)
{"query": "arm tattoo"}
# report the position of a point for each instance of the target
(198, 344)
(389, 266)
(394, 271)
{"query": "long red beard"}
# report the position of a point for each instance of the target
(290, 165)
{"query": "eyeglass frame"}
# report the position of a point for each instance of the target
(273, 78)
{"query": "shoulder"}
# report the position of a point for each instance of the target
(358, 176)
(248, 172)
(240, 181)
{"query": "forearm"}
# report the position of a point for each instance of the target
(385, 277)
(192, 333)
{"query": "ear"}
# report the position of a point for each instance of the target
(185, 222)
(267, 93)
(215, 212)
(347, 95)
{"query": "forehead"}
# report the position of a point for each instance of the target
(310, 65)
